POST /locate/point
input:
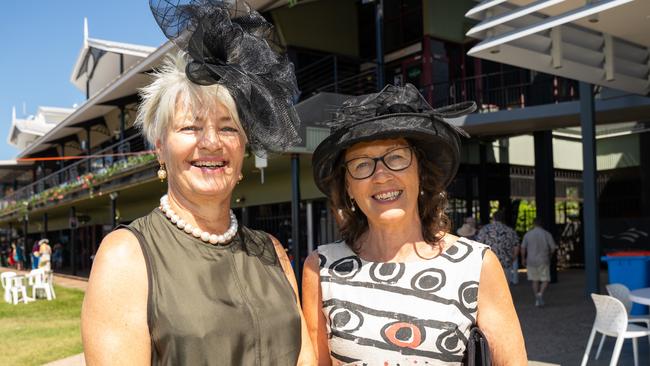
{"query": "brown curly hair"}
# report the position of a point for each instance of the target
(431, 205)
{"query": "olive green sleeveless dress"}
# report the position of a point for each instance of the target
(216, 304)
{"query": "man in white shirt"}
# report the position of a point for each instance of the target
(536, 250)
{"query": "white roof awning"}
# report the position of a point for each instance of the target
(603, 42)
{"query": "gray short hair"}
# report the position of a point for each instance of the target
(170, 83)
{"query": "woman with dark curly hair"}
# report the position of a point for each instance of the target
(399, 289)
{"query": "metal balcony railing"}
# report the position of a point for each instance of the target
(518, 88)
(503, 91)
(84, 174)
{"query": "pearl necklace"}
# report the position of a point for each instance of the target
(195, 231)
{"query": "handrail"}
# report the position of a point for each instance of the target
(82, 170)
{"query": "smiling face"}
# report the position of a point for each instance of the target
(387, 195)
(203, 152)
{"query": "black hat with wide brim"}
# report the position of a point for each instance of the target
(395, 112)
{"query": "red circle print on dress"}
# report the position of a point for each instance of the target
(402, 334)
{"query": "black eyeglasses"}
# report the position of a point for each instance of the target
(395, 160)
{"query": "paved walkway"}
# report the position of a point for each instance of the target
(555, 334)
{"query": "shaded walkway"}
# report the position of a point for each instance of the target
(557, 333)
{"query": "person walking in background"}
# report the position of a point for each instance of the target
(4, 254)
(57, 256)
(36, 254)
(19, 255)
(12, 252)
(503, 241)
(45, 251)
(536, 250)
(468, 230)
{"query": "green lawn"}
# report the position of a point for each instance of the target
(41, 331)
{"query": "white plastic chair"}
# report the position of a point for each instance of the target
(612, 320)
(38, 281)
(49, 277)
(622, 293)
(18, 290)
(5, 278)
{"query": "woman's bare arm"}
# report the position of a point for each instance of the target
(312, 308)
(497, 317)
(114, 314)
(307, 356)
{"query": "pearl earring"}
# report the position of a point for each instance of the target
(421, 192)
(352, 208)
(162, 172)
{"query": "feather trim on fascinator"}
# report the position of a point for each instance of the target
(233, 45)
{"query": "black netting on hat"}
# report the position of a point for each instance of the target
(233, 45)
(395, 101)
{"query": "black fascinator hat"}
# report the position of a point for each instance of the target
(233, 45)
(395, 112)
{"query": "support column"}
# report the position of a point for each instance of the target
(379, 39)
(45, 220)
(310, 227)
(88, 150)
(644, 154)
(469, 193)
(62, 164)
(122, 122)
(545, 187)
(589, 192)
(244, 216)
(27, 253)
(484, 200)
(113, 196)
(73, 240)
(295, 215)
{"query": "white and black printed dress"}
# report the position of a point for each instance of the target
(413, 313)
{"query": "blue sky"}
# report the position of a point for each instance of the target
(40, 44)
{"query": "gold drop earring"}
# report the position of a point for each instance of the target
(162, 172)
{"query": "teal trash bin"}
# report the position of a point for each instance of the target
(631, 269)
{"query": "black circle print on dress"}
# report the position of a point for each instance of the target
(386, 272)
(429, 280)
(457, 252)
(321, 260)
(468, 295)
(403, 334)
(346, 267)
(450, 342)
(345, 319)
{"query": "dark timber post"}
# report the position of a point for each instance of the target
(45, 219)
(122, 122)
(113, 196)
(589, 194)
(88, 150)
(484, 200)
(73, 232)
(27, 256)
(295, 215)
(469, 193)
(379, 40)
(545, 187)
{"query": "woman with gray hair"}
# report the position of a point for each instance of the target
(185, 284)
